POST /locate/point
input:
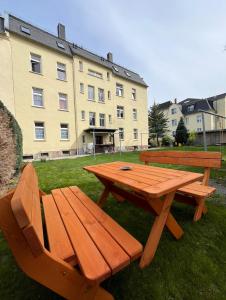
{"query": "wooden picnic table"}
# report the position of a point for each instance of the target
(149, 187)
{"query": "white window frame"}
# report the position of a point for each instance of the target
(80, 63)
(83, 115)
(135, 133)
(134, 94)
(119, 90)
(173, 111)
(134, 114)
(174, 122)
(120, 112)
(93, 118)
(91, 99)
(100, 90)
(81, 88)
(37, 94)
(64, 129)
(191, 108)
(38, 59)
(39, 127)
(199, 129)
(95, 74)
(121, 134)
(63, 97)
(61, 68)
(199, 119)
(102, 118)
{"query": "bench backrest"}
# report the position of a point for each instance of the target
(203, 159)
(26, 208)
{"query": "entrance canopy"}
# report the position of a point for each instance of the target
(100, 130)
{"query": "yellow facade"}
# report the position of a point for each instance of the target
(17, 81)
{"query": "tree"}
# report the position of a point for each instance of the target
(181, 133)
(157, 122)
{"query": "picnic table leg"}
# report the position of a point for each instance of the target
(200, 209)
(104, 196)
(156, 231)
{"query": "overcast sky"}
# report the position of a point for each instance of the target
(176, 46)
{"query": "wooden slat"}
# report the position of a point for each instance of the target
(92, 263)
(114, 255)
(132, 247)
(187, 158)
(59, 243)
(196, 189)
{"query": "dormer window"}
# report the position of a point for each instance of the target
(25, 30)
(115, 68)
(191, 108)
(60, 45)
(127, 73)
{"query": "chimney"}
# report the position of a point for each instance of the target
(110, 57)
(2, 25)
(175, 100)
(61, 31)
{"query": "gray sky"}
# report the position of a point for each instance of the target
(177, 46)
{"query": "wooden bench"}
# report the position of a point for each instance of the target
(64, 240)
(195, 193)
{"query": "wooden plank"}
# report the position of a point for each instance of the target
(187, 158)
(113, 254)
(132, 247)
(91, 262)
(58, 239)
(197, 189)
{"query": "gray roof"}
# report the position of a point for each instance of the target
(43, 37)
(199, 104)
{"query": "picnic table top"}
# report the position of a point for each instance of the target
(149, 180)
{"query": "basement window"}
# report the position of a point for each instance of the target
(27, 157)
(44, 154)
(60, 45)
(66, 152)
(25, 30)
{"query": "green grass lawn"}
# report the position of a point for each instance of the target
(191, 268)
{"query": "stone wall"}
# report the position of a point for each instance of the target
(10, 146)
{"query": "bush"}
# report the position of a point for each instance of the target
(191, 138)
(167, 141)
(152, 143)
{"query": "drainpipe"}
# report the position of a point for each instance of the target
(75, 108)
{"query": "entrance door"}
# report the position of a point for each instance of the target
(99, 139)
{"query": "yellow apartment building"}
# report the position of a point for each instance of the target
(66, 99)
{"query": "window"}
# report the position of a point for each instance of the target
(60, 45)
(35, 63)
(199, 129)
(108, 75)
(110, 119)
(134, 114)
(109, 95)
(82, 88)
(64, 133)
(134, 96)
(119, 90)
(95, 74)
(61, 71)
(63, 103)
(173, 111)
(102, 120)
(101, 95)
(83, 139)
(127, 74)
(120, 112)
(135, 134)
(92, 119)
(25, 30)
(121, 133)
(174, 133)
(186, 120)
(80, 66)
(174, 122)
(191, 108)
(91, 93)
(115, 68)
(199, 119)
(37, 97)
(83, 115)
(39, 131)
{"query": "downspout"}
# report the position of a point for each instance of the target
(75, 111)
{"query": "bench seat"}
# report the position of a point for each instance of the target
(80, 231)
(196, 189)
